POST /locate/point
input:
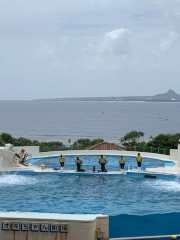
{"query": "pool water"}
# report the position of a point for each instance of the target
(89, 161)
(112, 195)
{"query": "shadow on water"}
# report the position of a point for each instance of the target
(90, 176)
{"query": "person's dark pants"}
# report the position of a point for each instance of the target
(139, 164)
(78, 167)
(122, 166)
(62, 164)
(102, 167)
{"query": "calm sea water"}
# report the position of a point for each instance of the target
(72, 120)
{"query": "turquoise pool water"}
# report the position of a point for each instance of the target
(89, 161)
(112, 195)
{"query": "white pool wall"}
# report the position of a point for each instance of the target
(172, 157)
(175, 154)
(80, 227)
(8, 156)
(7, 159)
(34, 150)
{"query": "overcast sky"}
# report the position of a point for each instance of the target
(80, 48)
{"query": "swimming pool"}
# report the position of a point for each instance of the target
(124, 198)
(110, 195)
(90, 160)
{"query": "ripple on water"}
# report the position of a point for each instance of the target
(111, 195)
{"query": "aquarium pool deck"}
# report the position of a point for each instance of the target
(159, 171)
(175, 171)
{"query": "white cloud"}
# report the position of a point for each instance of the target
(172, 9)
(64, 39)
(75, 40)
(116, 42)
(168, 42)
(110, 54)
(90, 49)
(52, 53)
(45, 50)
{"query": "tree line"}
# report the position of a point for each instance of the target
(130, 140)
(168, 141)
(45, 146)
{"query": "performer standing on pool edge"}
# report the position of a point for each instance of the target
(102, 161)
(139, 161)
(122, 163)
(62, 160)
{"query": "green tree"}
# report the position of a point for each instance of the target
(168, 141)
(23, 142)
(51, 146)
(96, 141)
(131, 139)
(7, 138)
(83, 143)
(2, 143)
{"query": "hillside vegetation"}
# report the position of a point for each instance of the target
(130, 140)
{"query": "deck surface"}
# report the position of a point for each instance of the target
(32, 168)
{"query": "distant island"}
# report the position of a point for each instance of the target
(169, 96)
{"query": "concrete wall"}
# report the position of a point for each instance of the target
(7, 159)
(7, 156)
(104, 152)
(79, 227)
(34, 150)
(175, 154)
(103, 224)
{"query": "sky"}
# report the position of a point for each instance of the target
(77, 48)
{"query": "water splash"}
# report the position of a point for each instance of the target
(163, 185)
(9, 179)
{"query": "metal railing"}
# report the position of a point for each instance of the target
(149, 149)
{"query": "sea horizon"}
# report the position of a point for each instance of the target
(60, 121)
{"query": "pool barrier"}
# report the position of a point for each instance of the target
(167, 237)
(160, 225)
(52, 226)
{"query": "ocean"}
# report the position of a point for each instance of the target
(60, 121)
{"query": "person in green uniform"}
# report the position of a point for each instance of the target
(78, 164)
(62, 161)
(103, 161)
(139, 161)
(122, 163)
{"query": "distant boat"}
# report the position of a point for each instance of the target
(163, 119)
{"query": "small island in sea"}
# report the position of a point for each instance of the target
(169, 96)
